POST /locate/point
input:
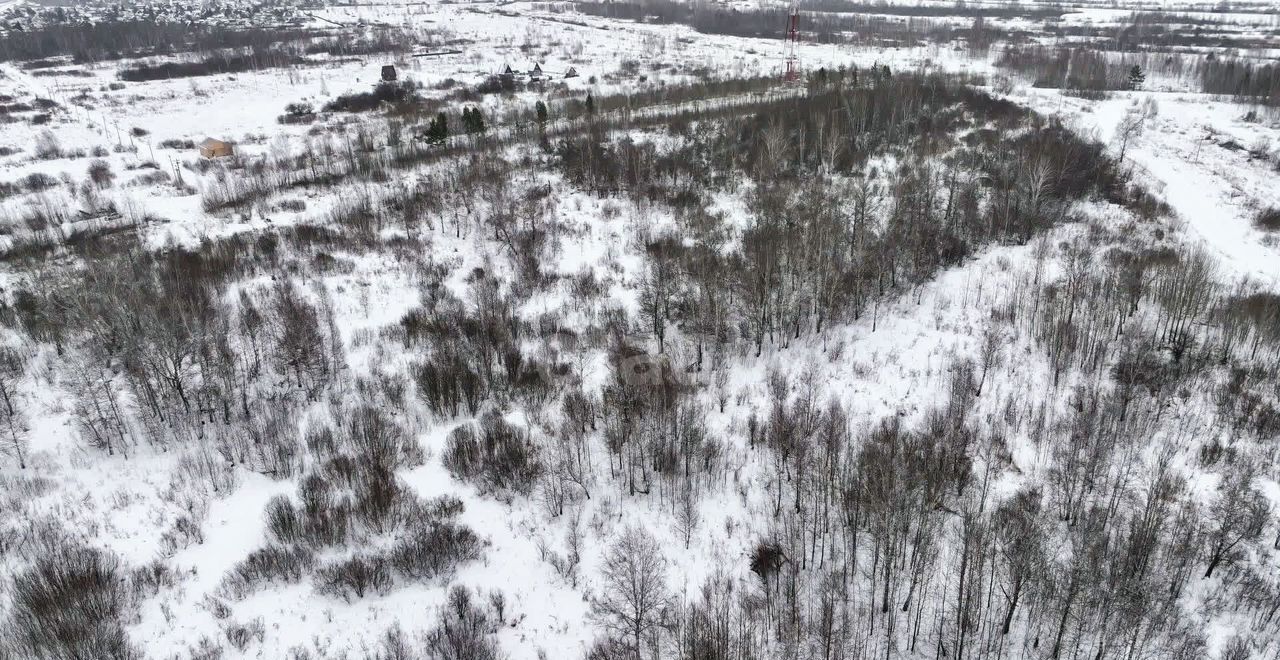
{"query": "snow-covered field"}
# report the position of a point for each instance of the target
(186, 494)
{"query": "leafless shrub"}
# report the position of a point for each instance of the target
(353, 578)
(566, 564)
(283, 522)
(448, 383)
(100, 174)
(206, 649)
(204, 467)
(47, 146)
(273, 564)
(292, 205)
(38, 182)
(241, 635)
(187, 530)
(434, 545)
(326, 514)
(69, 604)
(1268, 219)
(153, 178)
(465, 630)
(497, 457)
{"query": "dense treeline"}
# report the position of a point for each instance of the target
(214, 64)
(266, 56)
(408, 142)
(110, 40)
(1244, 80)
(843, 21)
(1087, 71)
(224, 50)
(935, 11)
(809, 263)
(1159, 32)
(184, 365)
(771, 23)
(888, 540)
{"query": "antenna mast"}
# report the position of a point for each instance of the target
(792, 73)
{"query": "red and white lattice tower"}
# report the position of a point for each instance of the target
(792, 73)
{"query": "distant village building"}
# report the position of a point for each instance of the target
(507, 78)
(212, 148)
(537, 71)
(107, 212)
(571, 73)
(388, 73)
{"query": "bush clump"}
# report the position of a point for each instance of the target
(466, 629)
(298, 112)
(499, 457)
(324, 519)
(353, 578)
(241, 635)
(70, 604)
(356, 493)
(433, 543)
(394, 93)
(38, 181)
(1268, 219)
(449, 384)
(273, 564)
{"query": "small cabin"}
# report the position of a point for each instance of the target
(571, 73)
(389, 73)
(508, 77)
(212, 148)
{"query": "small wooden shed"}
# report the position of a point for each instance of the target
(389, 73)
(212, 148)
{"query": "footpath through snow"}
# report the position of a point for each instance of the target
(1195, 154)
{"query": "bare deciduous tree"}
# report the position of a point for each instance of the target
(14, 432)
(1236, 517)
(635, 590)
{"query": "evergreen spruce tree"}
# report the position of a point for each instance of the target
(472, 121)
(438, 130)
(1136, 78)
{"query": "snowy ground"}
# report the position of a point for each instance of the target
(1196, 154)
(1193, 152)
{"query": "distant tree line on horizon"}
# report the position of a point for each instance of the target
(1087, 71)
(223, 47)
